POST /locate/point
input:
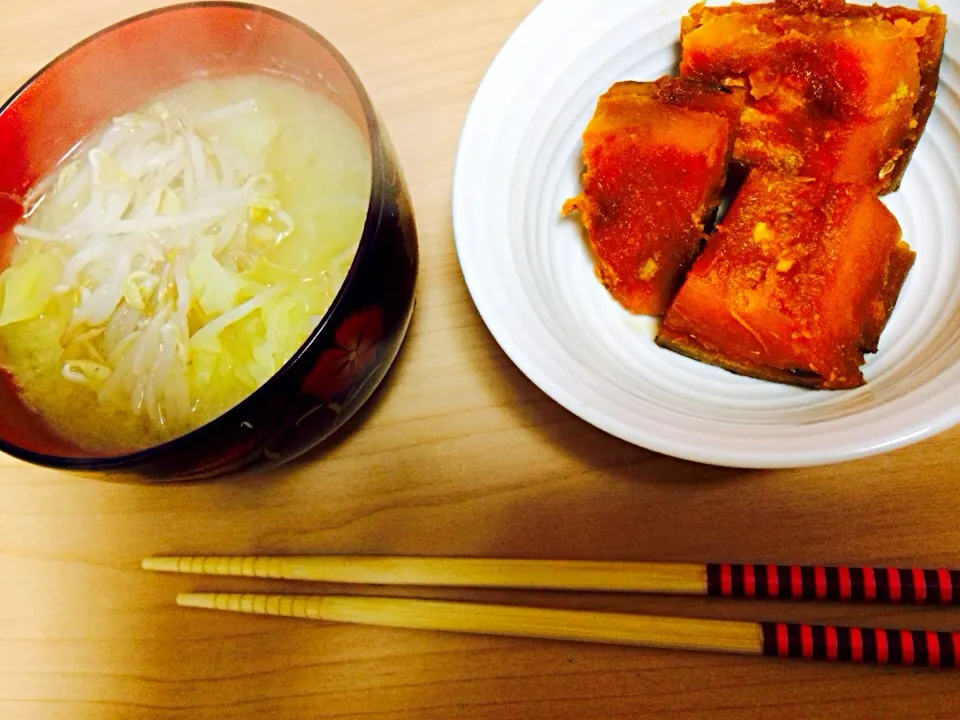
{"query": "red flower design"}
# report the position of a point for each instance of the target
(339, 367)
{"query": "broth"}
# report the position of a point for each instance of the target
(175, 261)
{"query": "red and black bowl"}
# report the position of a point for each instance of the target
(350, 351)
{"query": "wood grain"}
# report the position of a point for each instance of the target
(460, 456)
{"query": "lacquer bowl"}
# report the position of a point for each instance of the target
(350, 351)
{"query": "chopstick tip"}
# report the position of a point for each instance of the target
(160, 564)
(206, 601)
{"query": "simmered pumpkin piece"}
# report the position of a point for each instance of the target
(835, 91)
(656, 156)
(795, 284)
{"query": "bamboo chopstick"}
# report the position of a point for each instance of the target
(767, 639)
(892, 585)
(450, 572)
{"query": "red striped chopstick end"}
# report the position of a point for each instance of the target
(881, 647)
(891, 585)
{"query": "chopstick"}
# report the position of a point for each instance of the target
(891, 585)
(785, 640)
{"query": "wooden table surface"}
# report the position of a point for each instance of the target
(460, 455)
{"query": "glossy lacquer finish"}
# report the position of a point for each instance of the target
(351, 350)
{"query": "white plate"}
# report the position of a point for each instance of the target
(532, 280)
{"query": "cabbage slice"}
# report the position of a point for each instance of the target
(28, 288)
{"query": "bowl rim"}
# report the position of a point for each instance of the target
(375, 210)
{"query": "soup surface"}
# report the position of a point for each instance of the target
(178, 258)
